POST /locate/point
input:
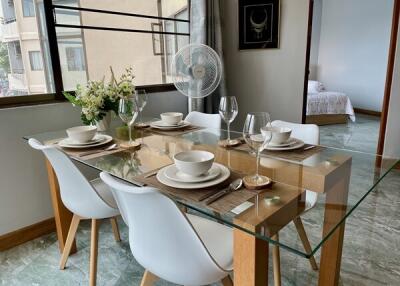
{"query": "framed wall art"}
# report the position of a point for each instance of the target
(259, 24)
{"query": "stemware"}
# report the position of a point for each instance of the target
(128, 110)
(228, 109)
(141, 98)
(255, 135)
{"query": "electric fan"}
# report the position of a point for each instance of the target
(196, 70)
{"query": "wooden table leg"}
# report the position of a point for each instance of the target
(62, 215)
(250, 259)
(335, 210)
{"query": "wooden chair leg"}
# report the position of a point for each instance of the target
(93, 252)
(227, 281)
(304, 239)
(276, 261)
(115, 228)
(70, 240)
(148, 279)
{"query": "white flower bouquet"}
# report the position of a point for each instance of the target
(97, 98)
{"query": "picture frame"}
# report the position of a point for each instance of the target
(259, 24)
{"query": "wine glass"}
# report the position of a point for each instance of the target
(141, 98)
(228, 109)
(128, 110)
(257, 134)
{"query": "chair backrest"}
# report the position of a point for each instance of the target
(212, 121)
(161, 237)
(77, 193)
(309, 133)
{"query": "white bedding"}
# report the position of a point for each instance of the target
(329, 102)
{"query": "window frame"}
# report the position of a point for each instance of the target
(57, 96)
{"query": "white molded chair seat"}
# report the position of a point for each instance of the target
(105, 193)
(309, 133)
(212, 121)
(86, 200)
(217, 238)
(179, 248)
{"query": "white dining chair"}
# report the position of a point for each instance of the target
(212, 121)
(180, 248)
(86, 200)
(309, 133)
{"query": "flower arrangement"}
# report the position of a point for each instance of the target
(97, 98)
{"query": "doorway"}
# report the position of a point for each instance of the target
(349, 65)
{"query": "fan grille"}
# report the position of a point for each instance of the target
(196, 70)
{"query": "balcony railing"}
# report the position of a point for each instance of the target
(10, 32)
(17, 82)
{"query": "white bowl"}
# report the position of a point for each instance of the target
(82, 134)
(171, 118)
(280, 135)
(194, 163)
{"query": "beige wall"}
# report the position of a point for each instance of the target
(268, 79)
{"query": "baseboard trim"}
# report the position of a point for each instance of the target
(368, 112)
(26, 234)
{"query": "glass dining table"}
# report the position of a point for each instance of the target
(320, 184)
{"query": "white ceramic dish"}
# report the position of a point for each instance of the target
(194, 163)
(225, 173)
(97, 138)
(156, 126)
(161, 123)
(279, 134)
(106, 139)
(174, 174)
(82, 134)
(289, 142)
(296, 145)
(171, 118)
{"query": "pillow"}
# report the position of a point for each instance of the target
(315, 86)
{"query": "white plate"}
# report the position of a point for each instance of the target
(105, 139)
(169, 127)
(225, 173)
(174, 174)
(289, 142)
(161, 123)
(95, 140)
(298, 144)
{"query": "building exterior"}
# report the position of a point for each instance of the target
(88, 54)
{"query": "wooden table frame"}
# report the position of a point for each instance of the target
(251, 253)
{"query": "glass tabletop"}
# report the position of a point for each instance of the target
(322, 185)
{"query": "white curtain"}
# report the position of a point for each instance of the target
(205, 28)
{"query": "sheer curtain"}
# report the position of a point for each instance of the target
(205, 28)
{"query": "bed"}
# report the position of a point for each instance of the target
(327, 107)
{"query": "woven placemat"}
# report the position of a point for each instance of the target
(199, 196)
(175, 132)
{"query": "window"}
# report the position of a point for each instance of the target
(28, 8)
(121, 44)
(137, 38)
(75, 59)
(35, 58)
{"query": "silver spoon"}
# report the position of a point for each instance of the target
(109, 148)
(234, 186)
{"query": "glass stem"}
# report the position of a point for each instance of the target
(140, 116)
(229, 131)
(130, 133)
